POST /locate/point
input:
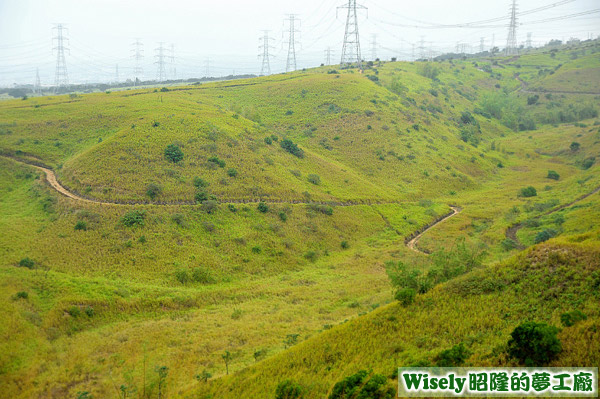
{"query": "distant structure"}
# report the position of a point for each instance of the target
(61, 77)
(511, 41)
(173, 67)
(374, 47)
(328, 54)
(422, 48)
(528, 43)
(481, 44)
(351, 48)
(207, 67)
(291, 57)
(160, 62)
(116, 73)
(265, 68)
(37, 87)
(138, 56)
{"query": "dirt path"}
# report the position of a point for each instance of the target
(511, 231)
(524, 89)
(412, 241)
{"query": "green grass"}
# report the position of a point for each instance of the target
(185, 283)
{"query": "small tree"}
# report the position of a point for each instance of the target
(361, 385)
(133, 218)
(292, 148)
(173, 153)
(453, 357)
(232, 172)
(534, 344)
(314, 179)
(27, 262)
(227, 359)
(405, 296)
(162, 371)
(204, 376)
(574, 146)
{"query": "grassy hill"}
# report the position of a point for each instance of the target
(175, 264)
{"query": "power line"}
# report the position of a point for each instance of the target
(351, 48)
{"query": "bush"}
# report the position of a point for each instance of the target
(289, 390)
(153, 190)
(179, 219)
(311, 256)
(268, 140)
(232, 172)
(570, 318)
(553, 175)
(532, 100)
(27, 262)
(173, 153)
(292, 148)
(574, 146)
(81, 225)
(232, 208)
(217, 161)
(201, 196)
(534, 344)
(314, 179)
(429, 71)
(587, 163)
(262, 207)
(133, 218)
(453, 357)
(209, 206)
(528, 192)
(182, 276)
(199, 182)
(283, 216)
(21, 295)
(202, 275)
(508, 244)
(360, 385)
(544, 235)
(344, 244)
(405, 296)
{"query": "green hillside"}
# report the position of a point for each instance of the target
(256, 218)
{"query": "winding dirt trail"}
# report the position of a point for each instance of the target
(511, 231)
(525, 89)
(411, 241)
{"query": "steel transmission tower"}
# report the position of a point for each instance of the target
(528, 45)
(173, 67)
(351, 48)
(374, 47)
(160, 62)
(328, 54)
(138, 56)
(61, 78)
(37, 87)
(265, 68)
(291, 58)
(511, 41)
(481, 44)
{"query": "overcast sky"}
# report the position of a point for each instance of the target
(227, 32)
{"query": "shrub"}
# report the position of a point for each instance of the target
(217, 161)
(199, 182)
(534, 344)
(256, 249)
(268, 140)
(532, 100)
(202, 275)
(81, 225)
(429, 71)
(405, 296)
(289, 389)
(232, 172)
(209, 206)
(569, 318)
(133, 218)
(452, 357)
(528, 192)
(311, 256)
(173, 153)
(262, 207)
(360, 385)
(344, 244)
(232, 208)
(74, 311)
(587, 163)
(283, 216)
(182, 276)
(292, 148)
(27, 262)
(21, 295)
(574, 146)
(153, 190)
(201, 196)
(508, 244)
(544, 235)
(289, 112)
(179, 219)
(553, 175)
(314, 179)
(89, 311)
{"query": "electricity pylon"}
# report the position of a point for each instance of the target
(173, 67)
(138, 56)
(511, 41)
(160, 61)
(61, 77)
(37, 87)
(374, 47)
(328, 54)
(291, 57)
(265, 68)
(351, 48)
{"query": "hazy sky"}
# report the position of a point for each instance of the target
(100, 32)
